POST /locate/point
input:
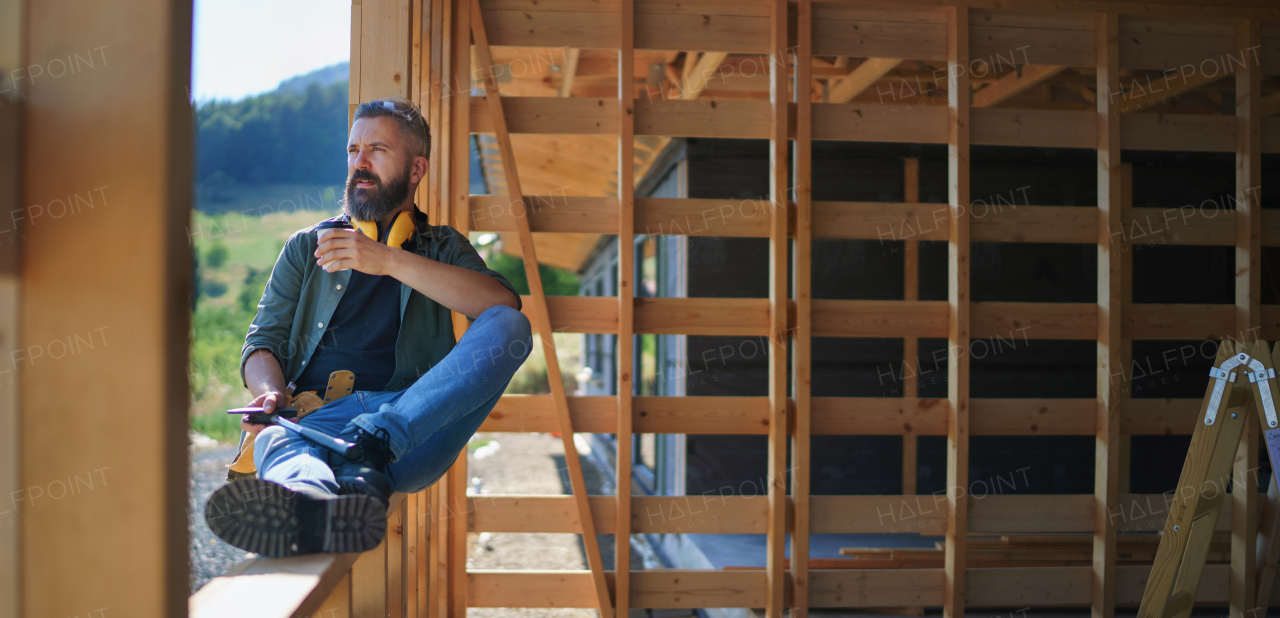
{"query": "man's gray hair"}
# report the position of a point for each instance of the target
(413, 127)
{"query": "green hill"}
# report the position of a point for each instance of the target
(294, 135)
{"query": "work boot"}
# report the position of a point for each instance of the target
(273, 520)
(367, 474)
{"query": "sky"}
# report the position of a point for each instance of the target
(245, 47)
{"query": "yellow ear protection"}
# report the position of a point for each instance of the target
(401, 230)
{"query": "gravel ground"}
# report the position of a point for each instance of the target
(529, 464)
(210, 556)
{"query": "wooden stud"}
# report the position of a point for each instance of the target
(417, 521)
(454, 511)
(543, 322)
(393, 580)
(910, 345)
(957, 308)
(1124, 374)
(1106, 442)
(802, 352)
(778, 190)
(1248, 286)
(626, 306)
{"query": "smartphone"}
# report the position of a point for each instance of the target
(257, 417)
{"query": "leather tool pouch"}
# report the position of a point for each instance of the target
(341, 384)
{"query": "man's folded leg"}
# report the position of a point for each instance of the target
(293, 507)
(428, 424)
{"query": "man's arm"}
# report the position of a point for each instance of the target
(263, 374)
(459, 289)
(266, 383)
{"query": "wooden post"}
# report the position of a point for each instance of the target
(1244, 493)
(542, 318)
(11, 46)
(801, 362)
(1106, 441)
(777, 531)
(957, 310)
(121, 544)
(910, 345)
(626, 294)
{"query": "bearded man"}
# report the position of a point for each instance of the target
(354, 331)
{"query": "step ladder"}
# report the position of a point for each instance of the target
(1202, 487)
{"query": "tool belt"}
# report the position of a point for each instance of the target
(341, 384)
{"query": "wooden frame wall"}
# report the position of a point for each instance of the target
(956, 33)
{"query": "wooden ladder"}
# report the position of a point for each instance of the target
(1202, 487)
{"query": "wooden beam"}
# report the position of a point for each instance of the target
(953, 601)
(775, 543)
(1014, 83)
(706, 68)
(569, 71)
(846, 415)
(861, 78)
(802, 269)
(603, 601)
(712, 513)
(1011, 322)
(869, 122)
(1138, 98)
(1107, 440)
(1248, 313)
(626, 305)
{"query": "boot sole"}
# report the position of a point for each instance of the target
(272, 520)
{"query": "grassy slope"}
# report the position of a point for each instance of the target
(220, 323)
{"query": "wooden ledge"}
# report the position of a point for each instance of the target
(276, 587)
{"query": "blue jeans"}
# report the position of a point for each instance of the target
(429, 423)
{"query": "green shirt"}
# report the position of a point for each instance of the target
(300, 299)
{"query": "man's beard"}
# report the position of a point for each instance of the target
(374, 204)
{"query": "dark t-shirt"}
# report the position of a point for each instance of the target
(360, 337)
